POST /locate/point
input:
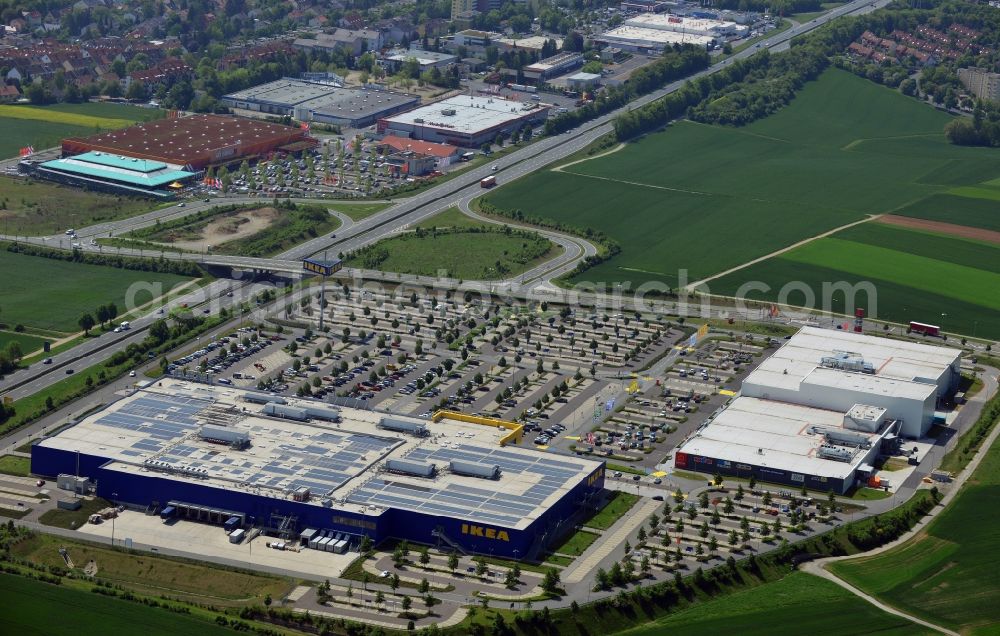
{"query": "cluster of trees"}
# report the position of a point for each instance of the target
(775, 7)
(9, 359)
(768, 87)
(982, 130)
(104, 314)
(676, 63)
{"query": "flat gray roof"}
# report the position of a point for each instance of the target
(326, 99)
(467, 114)
(773, 434)
(897, 362)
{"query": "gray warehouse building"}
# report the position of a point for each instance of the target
(321, 102)
(823, 407)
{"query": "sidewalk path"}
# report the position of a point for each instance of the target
(611, 539)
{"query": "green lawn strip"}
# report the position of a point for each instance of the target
(796, 604)
(476, 255)
(556, 559)
(72, 519)
(33, 607)
(53, 294)
(576, 543)
(452, 217)
(358, 211)
(618, 504)
(958, 458)
(508, 563)
(622, 468)
(15, 465)
(947, 574)
(949, 208)
(892, 301)
(869, 494)
(33, 208)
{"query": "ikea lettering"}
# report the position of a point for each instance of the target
(480, 531)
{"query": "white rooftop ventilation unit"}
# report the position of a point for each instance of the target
(836, 453)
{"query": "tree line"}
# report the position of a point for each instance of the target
(160, 265)
(676, 63)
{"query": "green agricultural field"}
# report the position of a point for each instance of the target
(53, 294)
(107, 110)
(946, 575)
(948, 208)
(797, 604)
(18, 133)
(951, 282)
(708, 198)
(34, 608)
(46, 126)
(28, 343)
(462, 254)
(33, 208)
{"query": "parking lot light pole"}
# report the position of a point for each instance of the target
(114, 496)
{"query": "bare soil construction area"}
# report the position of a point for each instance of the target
(939, 227)
(227, 227)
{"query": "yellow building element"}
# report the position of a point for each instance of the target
(516, 430)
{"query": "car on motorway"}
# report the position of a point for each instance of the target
(69, 371)
(47, 361)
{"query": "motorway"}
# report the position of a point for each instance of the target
(38, 376)
(464, 186)
(459, 190)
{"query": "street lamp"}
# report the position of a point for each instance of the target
(114, 496)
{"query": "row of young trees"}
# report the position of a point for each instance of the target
(162, 265)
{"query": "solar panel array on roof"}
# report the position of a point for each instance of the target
(453, 499)
(149, 414)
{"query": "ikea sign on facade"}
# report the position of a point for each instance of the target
(484, 531)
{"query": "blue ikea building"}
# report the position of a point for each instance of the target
(209, 453)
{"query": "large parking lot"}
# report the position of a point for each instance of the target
(615, 385)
